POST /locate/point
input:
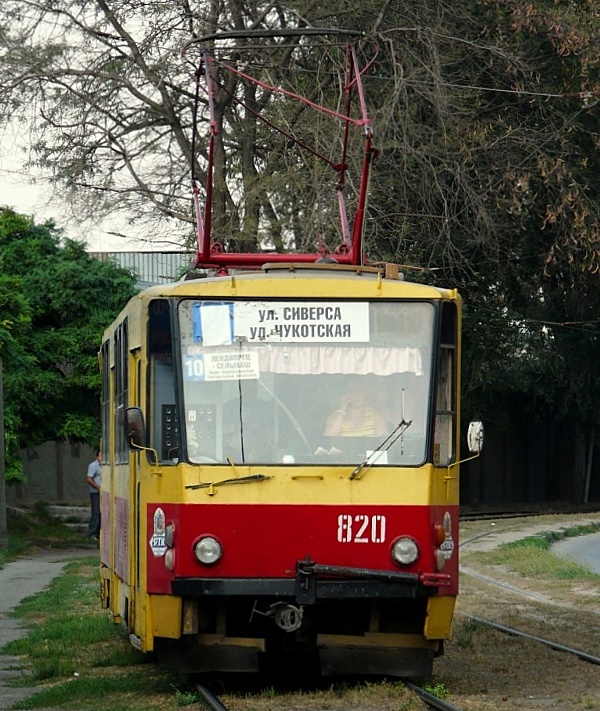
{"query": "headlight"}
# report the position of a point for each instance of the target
(440, 560)
(208, 550)
(405, 550)
(170, 559)
(170, 535)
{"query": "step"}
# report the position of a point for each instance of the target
(70, 514)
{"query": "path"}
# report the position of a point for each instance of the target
(23, 578)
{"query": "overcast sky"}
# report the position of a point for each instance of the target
(17, 191)
(35, 199)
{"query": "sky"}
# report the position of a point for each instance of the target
(35, 199)
(17, 191)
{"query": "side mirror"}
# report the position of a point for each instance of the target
(135, 430)
(475, 437)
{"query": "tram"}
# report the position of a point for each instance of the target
(281, 465)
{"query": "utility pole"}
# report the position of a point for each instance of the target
(3, 523)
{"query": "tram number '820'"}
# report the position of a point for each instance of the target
(360, 528)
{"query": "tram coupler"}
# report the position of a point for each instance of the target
(306, 583)
(307, 571)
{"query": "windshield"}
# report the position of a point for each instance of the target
(296, 382)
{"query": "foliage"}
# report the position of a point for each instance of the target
(37, 528)
(72, 642)
(55, 302)
(486, 121)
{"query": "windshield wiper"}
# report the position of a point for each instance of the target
(393, 436)
(235, 480)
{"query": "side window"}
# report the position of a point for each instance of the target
(121, 390)
(162, 411)
(445, 399)
(105, 400)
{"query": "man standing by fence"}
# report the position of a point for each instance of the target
(94, 479)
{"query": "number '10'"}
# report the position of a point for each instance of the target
(361, 528)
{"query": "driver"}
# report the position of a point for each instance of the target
(353, 416)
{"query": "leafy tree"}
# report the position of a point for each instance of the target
(55, 301)
(112, 119)
(15, 322)
(486, 117)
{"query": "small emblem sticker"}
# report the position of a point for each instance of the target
(447, 546)
(157, 540)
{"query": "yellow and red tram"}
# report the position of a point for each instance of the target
(236, 528)
(280, 449)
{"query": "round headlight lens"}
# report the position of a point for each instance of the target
(208, 550)
(170, 559)
(405, 550)
(170, 535)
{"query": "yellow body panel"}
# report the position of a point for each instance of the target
(165, 611)
(301, 283)
(143, 484)
(438, 622)
(423, 486)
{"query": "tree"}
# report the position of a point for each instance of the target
(485, 114)
(459, 93)
(113, 108)
(55, 302)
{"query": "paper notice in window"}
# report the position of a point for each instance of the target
(377, 456)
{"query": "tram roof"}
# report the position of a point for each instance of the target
(298, 281)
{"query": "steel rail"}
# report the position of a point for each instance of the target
(433, 701)
(209, 700)
(549, 643)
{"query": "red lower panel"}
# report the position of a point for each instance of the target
(266, 541)
(122, 538)
(105, 526)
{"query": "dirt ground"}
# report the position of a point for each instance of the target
(487, 670)
(483, 669)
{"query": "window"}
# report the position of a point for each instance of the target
(445, 402)
(105, 401)
(261, 380)
(162, 411)
(121, 351)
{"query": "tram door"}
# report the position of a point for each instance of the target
(136, 547)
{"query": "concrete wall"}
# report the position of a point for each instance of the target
(54, 472)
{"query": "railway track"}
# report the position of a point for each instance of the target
(535, 638)
(494, 515)
(208, 700)
(430, 700)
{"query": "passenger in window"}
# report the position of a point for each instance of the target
(354, 416)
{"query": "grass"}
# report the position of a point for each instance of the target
(439, 690)
(80, 661)
(37, 529)
(532, 557)
(73, 653)
(78, 658)
(186, 698)
(366, 696)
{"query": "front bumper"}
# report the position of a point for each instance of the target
(315, 582)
